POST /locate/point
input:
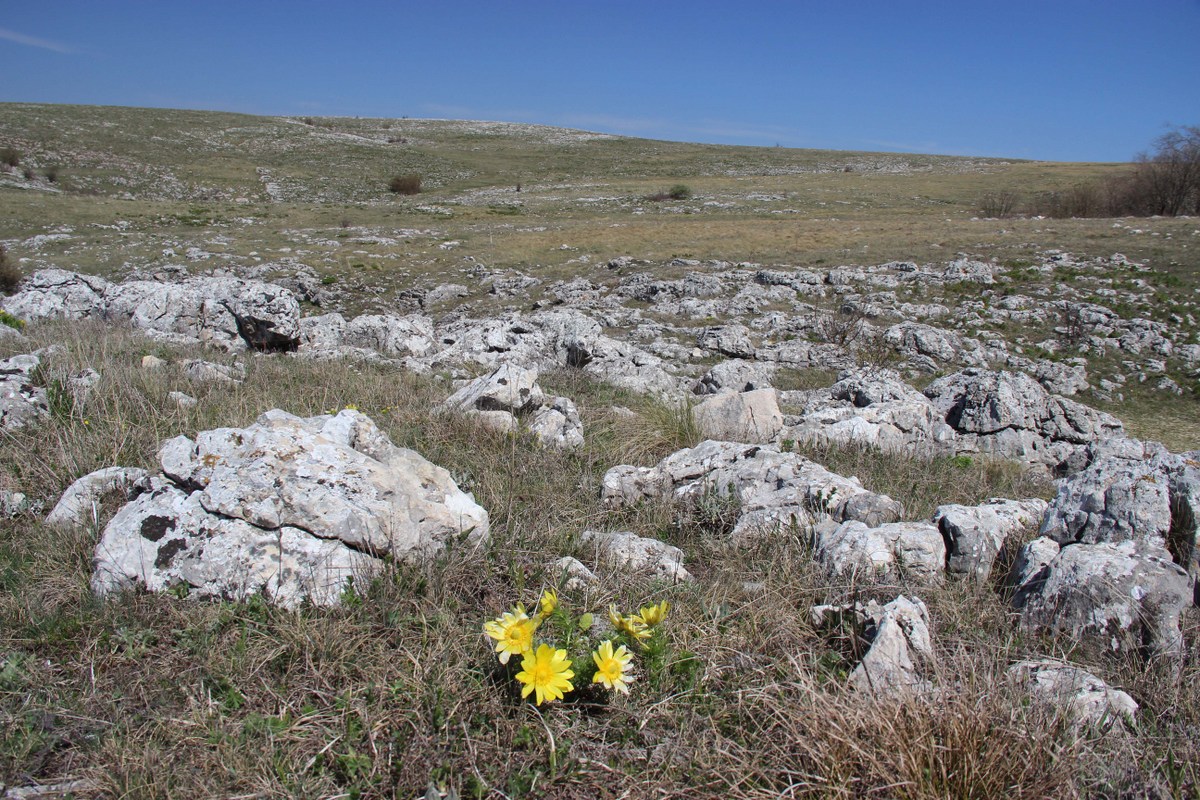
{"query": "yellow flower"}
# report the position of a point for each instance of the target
(628, 623)
(513, 633)
(611, 668)
(548, 603)
(546, 672)
(653, 614)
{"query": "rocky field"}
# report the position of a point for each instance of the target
(921, 488)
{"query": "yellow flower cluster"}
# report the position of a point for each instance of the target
(547, 670)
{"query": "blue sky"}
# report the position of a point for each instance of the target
(1072, 81)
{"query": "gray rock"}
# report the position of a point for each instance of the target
(79, 504)
(288, 506)
(1012, 416)
(508, 388)
(209, 372)
(57, 294)
(1126, 595)
(901, 650)
(743, 417)
(1076, 692)
(576, 576)
(21, 402)
(731, 340)
(182, 400)
(899, 549)
(557, 424)
(390, 335)
(636, 553)
(772, 489)
(1031, 567)
(735, 375)
(1113, 500)
(499, 421)
(975, 535)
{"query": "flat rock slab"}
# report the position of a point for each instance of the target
(288, 506)
(1076, 692)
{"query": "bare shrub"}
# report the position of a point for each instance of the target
(998, 204)
(843, 328)
(10, 157)
(1170, 176)
(405, 184)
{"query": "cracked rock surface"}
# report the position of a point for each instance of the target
(290, 507)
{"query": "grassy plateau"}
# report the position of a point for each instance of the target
(396, 693)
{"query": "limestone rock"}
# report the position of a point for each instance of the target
(21, 402)
(855, 549)
(508, 388)
(1126, 595)
(743, 417)
(78, 504)
(57, 294)
(975, 535)
(637, 553)
(202, 371)
(773, 489)
(1077, 692)
(735, 375)
(730, 340)
(288, 506)
(557, 424)
(390, 335)
(901, 649)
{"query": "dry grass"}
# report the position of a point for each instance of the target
(158, 696)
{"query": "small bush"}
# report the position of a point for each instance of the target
(998, 204)
(16, 323)
(405, 184)
(10, 157)
(679, 192)
(10, 273)
(29, 174)
(52, 174)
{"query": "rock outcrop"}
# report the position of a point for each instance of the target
(293, 508)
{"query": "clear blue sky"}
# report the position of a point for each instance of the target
(1072, 81)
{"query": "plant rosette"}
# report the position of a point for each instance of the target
(552, 653)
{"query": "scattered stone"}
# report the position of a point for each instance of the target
(508, 388)
(637, 553)
(21, 402)
(209, 372)
(736, 375)
(1076, 692)
(578, 577)
(901, 650)
(182, 400)
(773, 490)
(557, 424)
(153, 363)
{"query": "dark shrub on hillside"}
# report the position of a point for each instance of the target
(10, 157)
(52, 174)
(998, 204)
(405, 184)
(10, 273)
(677, 192)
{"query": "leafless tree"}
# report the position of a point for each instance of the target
(1170, 176)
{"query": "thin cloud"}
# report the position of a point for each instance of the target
(34, 41)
